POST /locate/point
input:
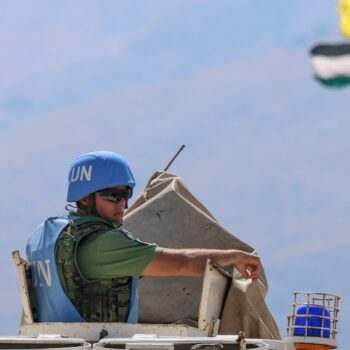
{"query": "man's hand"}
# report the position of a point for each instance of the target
(249, 265)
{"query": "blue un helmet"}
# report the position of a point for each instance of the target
(95, 171)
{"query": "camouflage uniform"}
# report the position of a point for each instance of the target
(105, 300)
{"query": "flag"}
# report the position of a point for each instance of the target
(331, 63)
(344, 11)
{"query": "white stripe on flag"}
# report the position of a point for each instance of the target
(331, 67)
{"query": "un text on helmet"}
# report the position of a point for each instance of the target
(81, 173)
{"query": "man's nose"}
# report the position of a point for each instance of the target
(121, 202)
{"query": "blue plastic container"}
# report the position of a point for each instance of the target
(310, 319)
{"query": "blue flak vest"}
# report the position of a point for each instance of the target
(52, 303)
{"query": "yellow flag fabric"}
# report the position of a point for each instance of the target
(344, 10)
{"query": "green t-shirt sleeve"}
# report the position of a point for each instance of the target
(114, 254)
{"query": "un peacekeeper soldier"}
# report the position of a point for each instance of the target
(85, 267)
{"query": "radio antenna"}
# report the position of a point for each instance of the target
(173, 159)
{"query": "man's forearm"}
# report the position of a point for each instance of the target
(192, 262)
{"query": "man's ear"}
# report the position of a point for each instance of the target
(85, 201)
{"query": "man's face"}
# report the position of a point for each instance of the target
(108, 207)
